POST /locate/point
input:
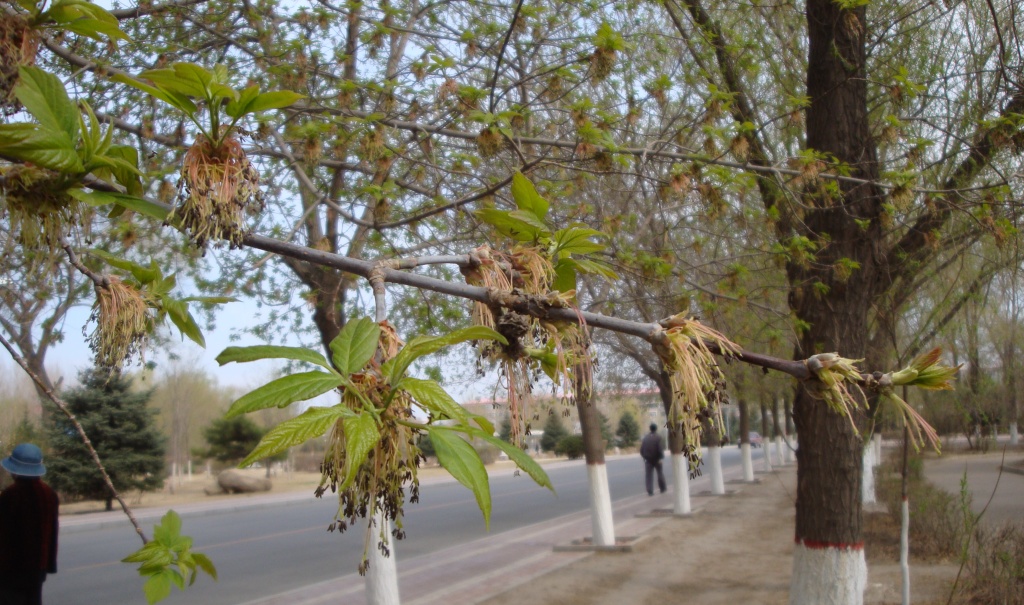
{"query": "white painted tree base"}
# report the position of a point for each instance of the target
(680, 485)
(748, 462)
(382, 577)
(828, 576)
(714, 454)
(877, 443)
(778, 451)
(1014, 437)
(905, 550)
(867, 486)
(601, 522)
(766, 451)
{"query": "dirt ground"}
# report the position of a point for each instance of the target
(738, 549)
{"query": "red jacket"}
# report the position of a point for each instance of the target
(28, 531)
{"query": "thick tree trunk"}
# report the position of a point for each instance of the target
(601, 520)
(780, 458)
(828, 565)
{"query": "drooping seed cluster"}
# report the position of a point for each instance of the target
(37, 205)
(123, 323)
(218, 189)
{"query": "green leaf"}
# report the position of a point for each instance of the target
(565, 276)
(460, 459)
(419, 346)
(354, 347)
(433, 398)
(144, 554)
(174, 99)
(594, 267)
(169, 529)
(183, 320)
(42, 147)
(125, 167)
(308, 425)
(526, 196)
(277, 99)
(577, 240)
(285, 391)
(240, 106)
(136, 204)
(158, 586)
(517, 455)
(45, 98)
(182, 78)
(204, 563)
(512, 225)
(361, 435)
(485, 425)
(244, 354)
(209, 300)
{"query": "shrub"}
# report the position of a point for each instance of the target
(571, 446)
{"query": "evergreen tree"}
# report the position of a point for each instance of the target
(505, 431)
(231, 439)
(628, 430)
(121, 429)
(554, 430)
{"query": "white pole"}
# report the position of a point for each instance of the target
(382, 576)
(748, 462)
(867, 491)
(601, 522)
(714, 454)
(905, 549)
(681, 484)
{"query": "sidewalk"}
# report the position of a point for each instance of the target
(499, 564)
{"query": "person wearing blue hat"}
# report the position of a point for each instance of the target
(28, 528)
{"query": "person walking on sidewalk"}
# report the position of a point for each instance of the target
(28, 528)
(652, 452)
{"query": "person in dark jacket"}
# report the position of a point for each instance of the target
(652, 452)
(28, 528)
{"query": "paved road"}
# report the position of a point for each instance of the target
(269, 550)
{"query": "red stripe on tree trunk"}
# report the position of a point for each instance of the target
(823, 545)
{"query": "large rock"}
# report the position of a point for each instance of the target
(234, 481)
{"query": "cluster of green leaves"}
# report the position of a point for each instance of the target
(567, 248)
(353, 352)
(76, 16)
(156, 290)
(65, 139)
(168, 560)
(179, 84)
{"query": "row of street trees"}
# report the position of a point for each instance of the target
(805, 177)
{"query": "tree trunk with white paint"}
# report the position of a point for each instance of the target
(602, 524)
(1014, 437)
(867, 490)
(382, 576)
(748, 462)
(877, 443)
(766, 439)
(714, 455)
(681, 484)
(826, 575)
(905, 548)
(780, 448)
